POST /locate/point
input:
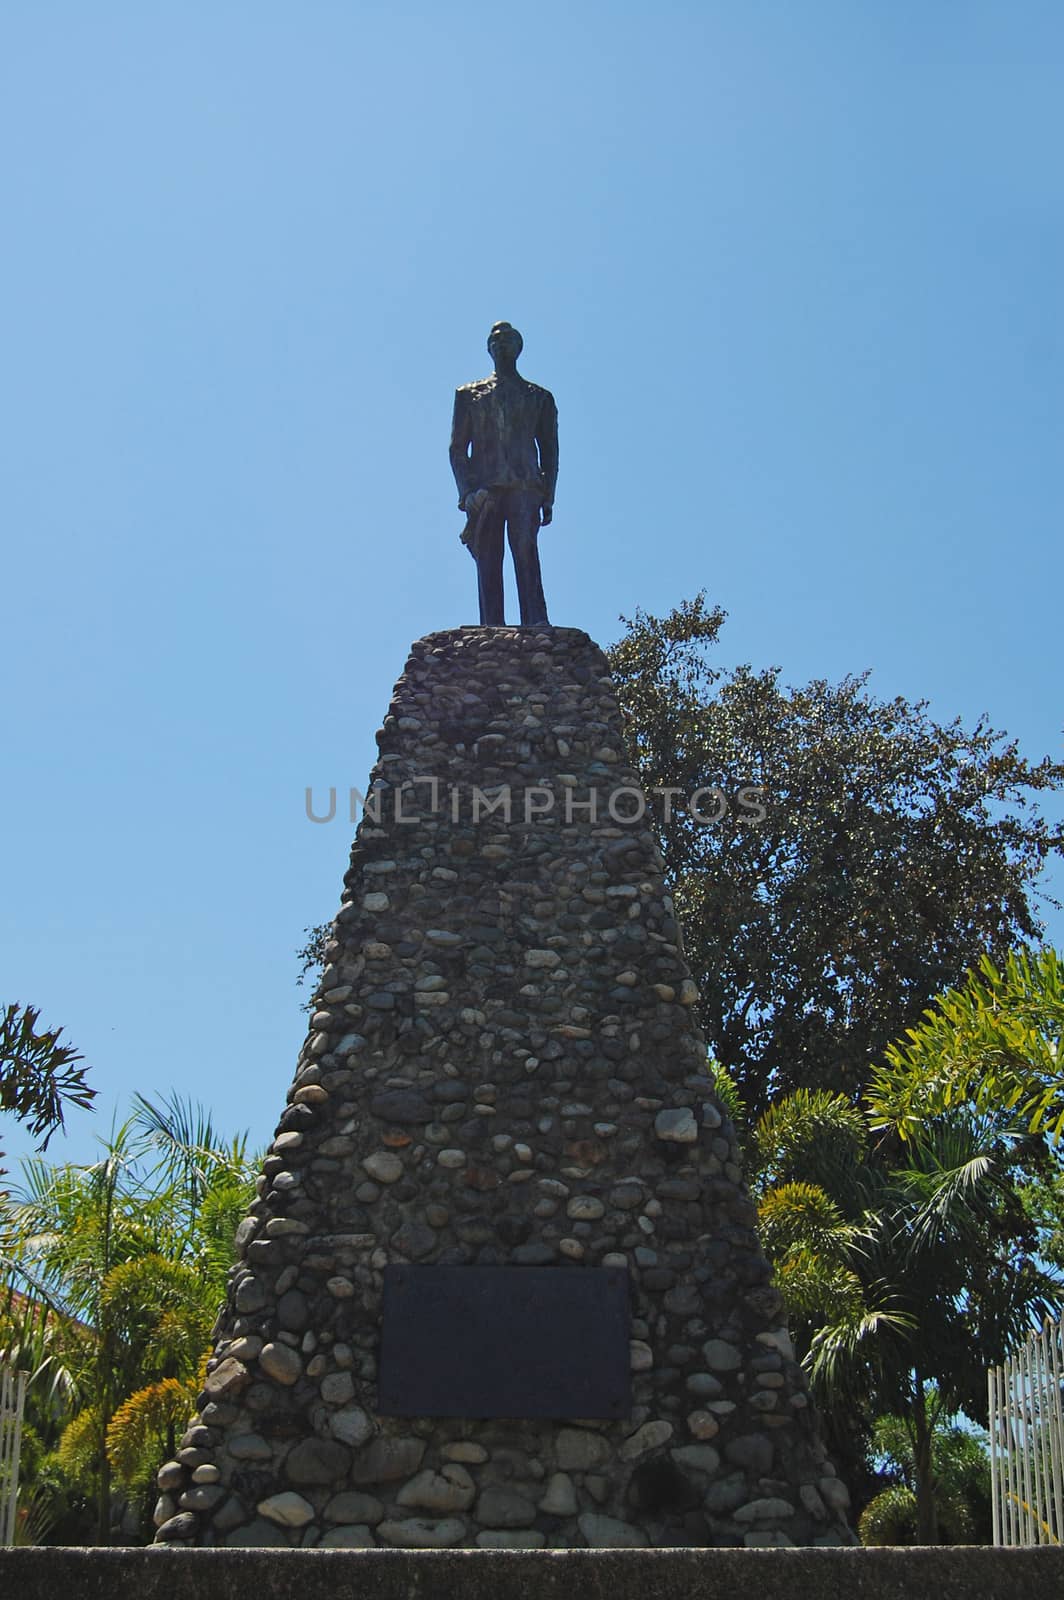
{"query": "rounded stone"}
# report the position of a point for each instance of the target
(316, 1461)
(648, 1437)
(676, 1126)
(230, 1515)
(250, 1295)
(835, 1494)
(384, 1166)
(585, 1208)
(352, 1536)
(698, 1457)
(183, 1526)
(352, 1507)
(292, 1311)
(421, 1533)
(450, 1490)
(640, 1355)
(559, 1499)
(166, 1506)
(608, 1533)
(769, 1509)
(577, 1450)
(201, 1497)
(414, 1240)
(352, 1427)
(228, 1378)
(386, 1460)
(245, 1349)
(337, 1388)
(249, 1447)
(503, 1507)
(282, 1363)
(260, 1534)
(703, 1425)
(542, 958)
(721, 1356)
(465, 1450)
(288, 1510)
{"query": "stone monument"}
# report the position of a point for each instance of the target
(500, 1287)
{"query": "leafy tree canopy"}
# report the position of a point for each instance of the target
(39, 1076)
(961, 1470)
(995, 1041)
(894, 851)
(908, 1268)
(113, 1277)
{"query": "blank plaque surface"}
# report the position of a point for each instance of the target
(505, 1342)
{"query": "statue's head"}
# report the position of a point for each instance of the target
(504, 340)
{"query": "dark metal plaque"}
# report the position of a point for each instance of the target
(505, 1342)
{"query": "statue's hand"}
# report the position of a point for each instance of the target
(546, 513)
(473, 502)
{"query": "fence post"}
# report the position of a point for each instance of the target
(1026, 1415)
(12, 1401)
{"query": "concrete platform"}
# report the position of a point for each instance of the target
(159, 1573)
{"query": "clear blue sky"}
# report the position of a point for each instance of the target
(793, 272)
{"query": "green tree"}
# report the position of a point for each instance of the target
(961, 1469)
(995, 1042)
(39, 1075)
(907, 1268)
(127, 1257)
(893, 852)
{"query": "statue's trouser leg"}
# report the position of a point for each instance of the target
(489, 569)
(522, 521)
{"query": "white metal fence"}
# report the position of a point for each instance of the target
(1027, 1441)
(12, 1400)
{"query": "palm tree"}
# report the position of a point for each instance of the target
(128, 1255)
(961, 1468)
(908, 1269)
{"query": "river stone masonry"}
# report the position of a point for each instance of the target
(503, 1068)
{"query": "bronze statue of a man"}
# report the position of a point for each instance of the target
(504, 456)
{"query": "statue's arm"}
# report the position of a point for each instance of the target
(461, 438)
(547, 441)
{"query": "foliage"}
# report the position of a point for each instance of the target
(1043, 1200)
(890, 1518)
(34, 1514)
(730, 1097)
(894, 851)
(907, 1269)
(127, 1256)
(39, 1077)
(812, 1247)
(997, 1042)
(79, 1444)
(157, 1412)
(961, 1471)
(312, 955)
(810, 1132)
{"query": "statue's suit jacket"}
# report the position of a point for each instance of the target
(504, 436)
